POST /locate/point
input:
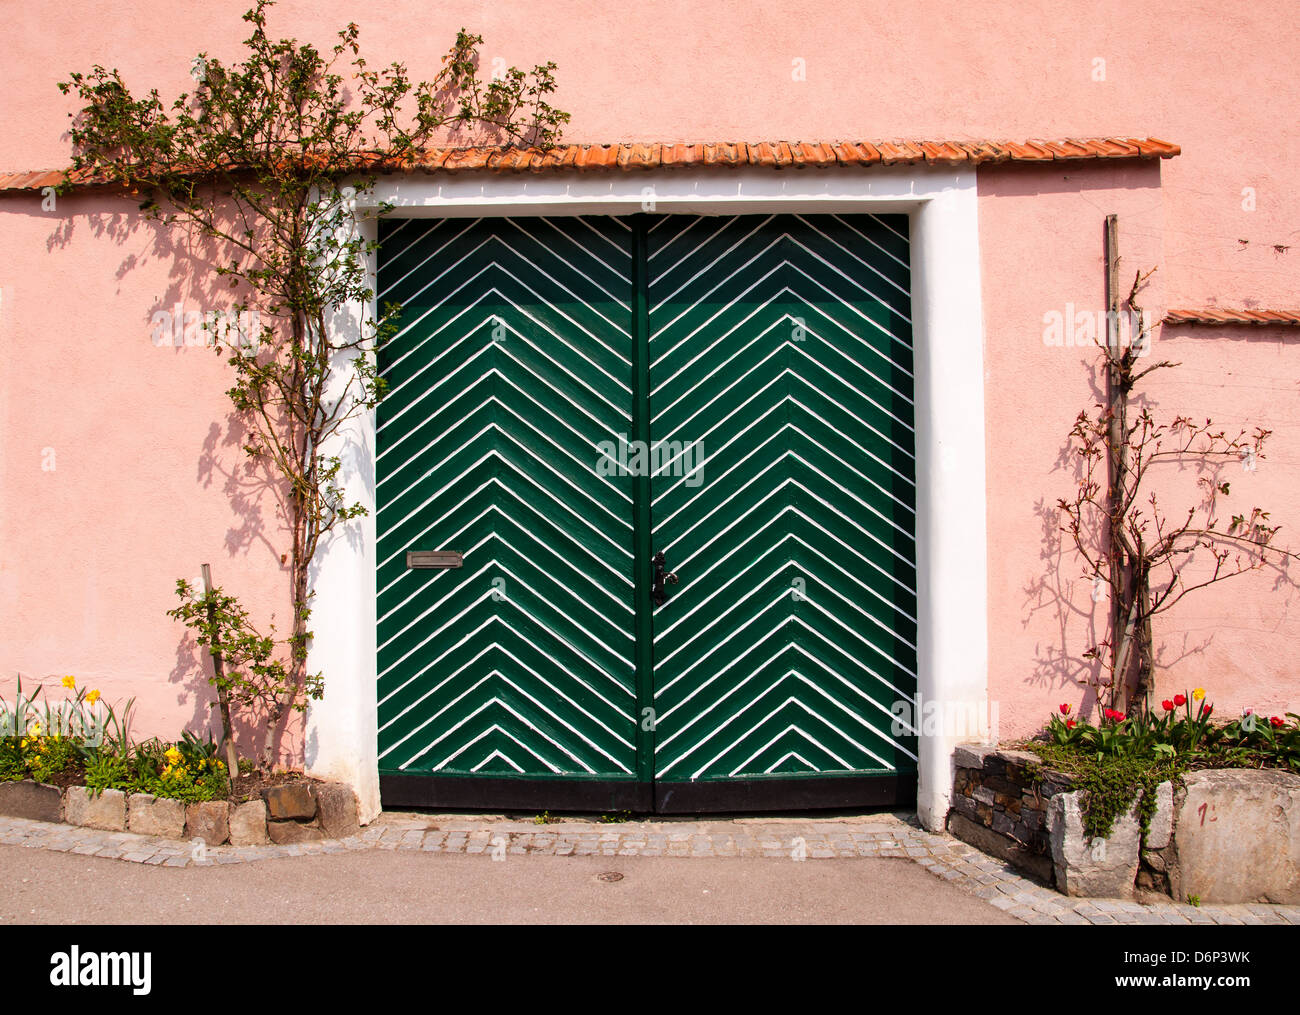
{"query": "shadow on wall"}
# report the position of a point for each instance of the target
(1079, 611)
(197, 307)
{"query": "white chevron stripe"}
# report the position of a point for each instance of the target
(495, 480)
(790, 481)
(869, 239)
(585, 468)
(783, 263)
(717, 702)
(498, 647)
(864, 263)
(568, 262)
(559, 721)
(494, 453)
(466, 582)
(494, 728)
(786, 757)
(588, 440)
(662, 300)
(503, 757)
(438, 224)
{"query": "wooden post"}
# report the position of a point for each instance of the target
(1116, 433)
(227, 748)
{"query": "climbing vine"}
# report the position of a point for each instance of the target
(263, 163)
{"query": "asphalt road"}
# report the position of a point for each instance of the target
(396, 887)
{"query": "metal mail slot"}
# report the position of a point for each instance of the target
(433, 558)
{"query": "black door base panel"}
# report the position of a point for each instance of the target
(721, 796)
(486, 793)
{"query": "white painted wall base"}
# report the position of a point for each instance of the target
(949, 349)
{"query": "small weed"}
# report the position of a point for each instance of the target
(1195, 900)
(617, 818)
(545, 819)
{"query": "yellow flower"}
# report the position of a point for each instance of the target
(172, 755)
(92, 697)
(1198, 694)
(70, 681)
(34, 729)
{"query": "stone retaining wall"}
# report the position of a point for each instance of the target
(293, 812)
(1223, 836)
(996, 809)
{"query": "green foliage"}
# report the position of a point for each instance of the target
(253, 676)
(617, 818)
(105, 770)
(265, 162)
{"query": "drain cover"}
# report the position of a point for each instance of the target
(609, 876)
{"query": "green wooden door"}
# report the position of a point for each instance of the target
(512, 364)
(762, 364)
(780, 356)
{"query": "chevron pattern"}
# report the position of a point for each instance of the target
(783, 344)
(511, 364)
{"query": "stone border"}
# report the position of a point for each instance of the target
(300, 811)
(870, 836)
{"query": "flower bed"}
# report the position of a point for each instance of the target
(74, 761)
(1161, 800)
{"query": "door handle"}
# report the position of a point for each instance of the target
(662, 576)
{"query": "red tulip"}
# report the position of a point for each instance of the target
(1116, 716)
(1065, 709)
(1070, 724)
(1277, 722)
(1167, 705)
(1208, 709)
(1179, 700)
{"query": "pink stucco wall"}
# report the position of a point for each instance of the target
(141, 492)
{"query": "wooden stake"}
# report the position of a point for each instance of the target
(227, 748)
(1116, 432)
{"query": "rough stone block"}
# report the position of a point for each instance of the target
(34, 801)
(1092, 867)
(284, 833)
(292, 801)
(248, 824)
(1238, 837)
(106, 810)
(150, 815)
(972, 755)
(209, 821)
(1161, 830)
(336, 807)
(1021, 759)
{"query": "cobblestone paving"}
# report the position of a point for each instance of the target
(878, 835)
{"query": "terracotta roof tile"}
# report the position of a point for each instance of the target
(1223, 315)
(767, 154)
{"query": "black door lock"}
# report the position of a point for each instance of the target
(662, 575)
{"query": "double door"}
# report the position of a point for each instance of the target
(646, 530)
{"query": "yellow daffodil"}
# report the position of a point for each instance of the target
(92, 697)
(70, 681)
(1198, 693)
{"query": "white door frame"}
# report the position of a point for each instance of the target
(948, 337)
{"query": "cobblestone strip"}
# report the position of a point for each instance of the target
(944, 856)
